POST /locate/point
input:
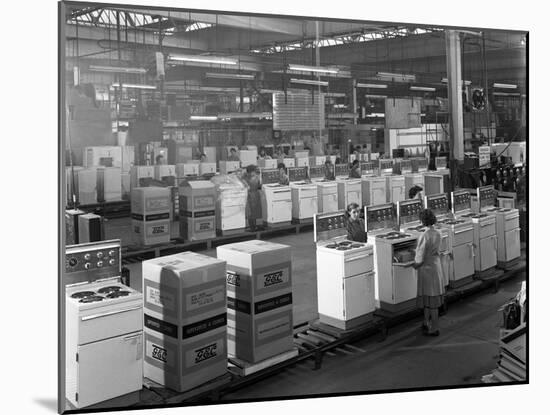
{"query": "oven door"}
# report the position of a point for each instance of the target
(463, 261)
(307, 207)
(109, 368)
(404, 284)
(358, 295)
(487, 253)
(512, 243)
(329, 203)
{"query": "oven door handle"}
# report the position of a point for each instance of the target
(512, 218)
(462, 231)
(487, 224)
(110, 313)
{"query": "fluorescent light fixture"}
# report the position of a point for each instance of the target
(395, 76)
(505, 86)
(245, 115)
(375, 96)
(306, 68)
(335, 94)
(340, 106)
(378, 86)
(376, 114)
(116, 69)
(342, 115)
(203, 118)
(506, 94)
(422, 88)
(308, 82)
(203, 59)
(136, 86)
(445, 80)
(221, 75)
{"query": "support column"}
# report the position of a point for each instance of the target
(454, 93)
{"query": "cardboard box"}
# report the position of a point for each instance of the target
(259, 299)
(107, 156)
(150, 208)
(302, 162)
(187, 169)
(87, 186)
(207, 168)
(267, 163)
(71, 225)
(227, 167)
(184, 320)
(165, 170)
(179, 151)
(90, 228)
(248, 157)
(141, 176)
(109, 184)
(197, 205)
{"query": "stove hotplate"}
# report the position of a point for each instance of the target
(452, 221)
(91, 299)
(475, 215)
(394, 235)
(82, 294)
(110, 289)
(116, 294)
(419, 228)
(498, 209)
(344, 245)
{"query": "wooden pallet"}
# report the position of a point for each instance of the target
(304, 221)
(243, 368)
(231, 232)
(169, 396)
(468, 288)
(488, 274)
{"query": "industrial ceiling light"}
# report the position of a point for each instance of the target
(305, 68)
(308, 82)
(203, 59)
(245, 115)
(116, 69)
(335, 94)
(504, 86)
(375, 96)
(377, 86)
(389, 76)
(376, 114)
(221, 75)
(506, 94)
(422, 88)
(136, 86)
(203, 118)
(445, 80)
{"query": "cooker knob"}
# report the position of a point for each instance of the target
(99, 264)
(100, 254)
(112, 252)
(112, 262)
(87, 265)
(87, 257)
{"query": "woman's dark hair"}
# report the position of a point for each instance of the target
(350, 207)
(250, 168)
(281, 166)
(159, 157)
(427, 217)
(413, 191)
(355, 162)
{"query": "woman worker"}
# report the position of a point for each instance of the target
(253, 201)
(355, 171)
(355, 225)
(430, 274)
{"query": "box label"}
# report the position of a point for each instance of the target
(272, 303)
(204, 326)
(238, 305)
(160, 354)
(160, 326)
(158, 229)
(202, 354)
(160, 298)
(157, 203)
(205, 297)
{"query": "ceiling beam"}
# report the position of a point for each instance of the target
(97, 33)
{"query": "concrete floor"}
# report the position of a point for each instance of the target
(466, 350)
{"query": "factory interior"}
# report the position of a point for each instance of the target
(257, 207)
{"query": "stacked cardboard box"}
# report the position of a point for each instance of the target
(150, 208)
(108, 156)
(109, 184)
(185, 320)
(71, 225)
(87, 186)
(512, 364)
(259, 299)
(141, 176)
(197, 206)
